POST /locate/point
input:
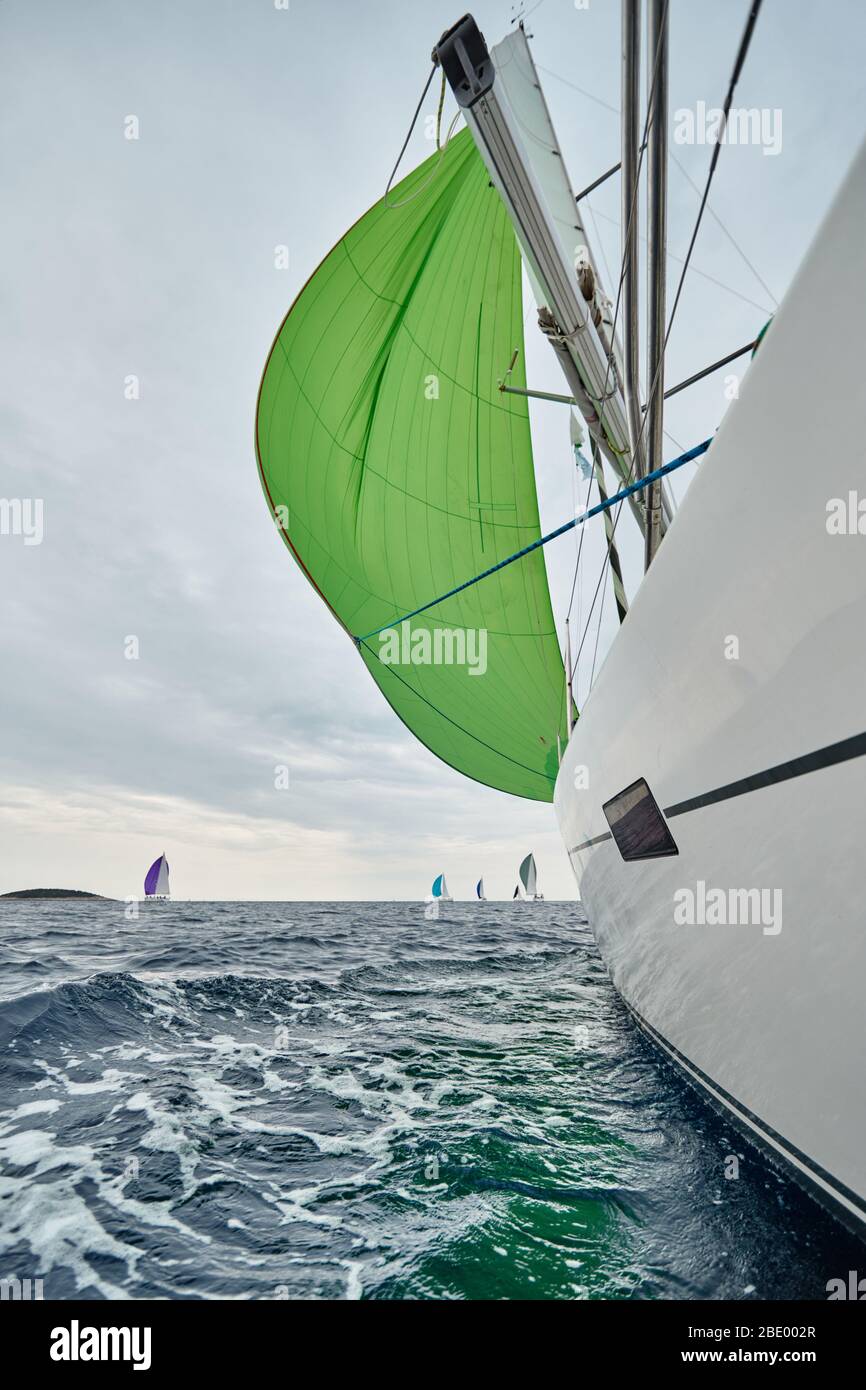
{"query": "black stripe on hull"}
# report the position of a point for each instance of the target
(841, 1201)
(596, 840)
(834, 753)
(830, 756)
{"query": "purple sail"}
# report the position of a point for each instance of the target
(152, 878)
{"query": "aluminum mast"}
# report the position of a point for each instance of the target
(657, 76)
(630, 222)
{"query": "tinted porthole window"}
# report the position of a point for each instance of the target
(637, 825)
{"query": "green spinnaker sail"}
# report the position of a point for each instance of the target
(396, 469)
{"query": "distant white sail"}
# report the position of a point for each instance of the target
(529, 876)
(162, 881)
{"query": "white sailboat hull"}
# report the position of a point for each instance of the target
(737, 689)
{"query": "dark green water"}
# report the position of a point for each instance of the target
(265, 1100)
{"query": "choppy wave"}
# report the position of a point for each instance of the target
(346, 1100)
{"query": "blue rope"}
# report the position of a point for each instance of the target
(551, 536)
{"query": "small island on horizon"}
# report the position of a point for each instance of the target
(54, 893)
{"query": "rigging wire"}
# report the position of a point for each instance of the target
(599, 101)
(409, 133)
(762, 308)
(745, 41)
(599, 241)
(439, 112)
(575, 496)
(440, 147)
(524, 13)
(529, 549)
(715, 216)
(677, 445)
(597, 635)
(742, 51)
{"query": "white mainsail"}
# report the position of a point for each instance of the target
(567, 288)
(529, 876)
(517, 79)
(162, 879)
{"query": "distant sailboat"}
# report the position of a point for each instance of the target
(529, 879)
(479, 891)
(440, 889)
(156, 880)
(516, 893)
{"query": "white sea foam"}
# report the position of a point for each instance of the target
(33, 1107)
(354, 1285)
(167, 1135)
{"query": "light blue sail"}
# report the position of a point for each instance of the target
(440, 889)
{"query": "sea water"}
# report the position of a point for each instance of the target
(347, 1100)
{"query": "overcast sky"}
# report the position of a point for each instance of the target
(154, 258)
